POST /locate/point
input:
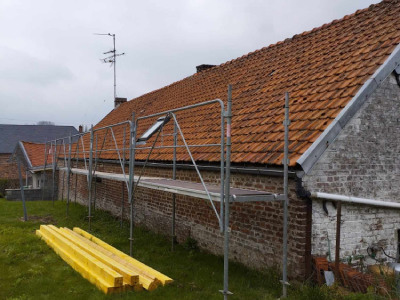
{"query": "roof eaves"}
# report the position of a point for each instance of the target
(314, 152)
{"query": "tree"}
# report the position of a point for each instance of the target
(45, 123)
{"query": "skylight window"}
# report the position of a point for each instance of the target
(153, 129)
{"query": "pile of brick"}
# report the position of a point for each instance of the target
(349, 277)
(103, 265)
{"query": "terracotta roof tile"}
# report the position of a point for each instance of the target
(322, 69)
(35, 152)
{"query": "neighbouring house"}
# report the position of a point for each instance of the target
(10, 135)
(343, 80)
(33, 160)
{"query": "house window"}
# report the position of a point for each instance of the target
(153, 129)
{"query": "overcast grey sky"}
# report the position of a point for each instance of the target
(50, 65)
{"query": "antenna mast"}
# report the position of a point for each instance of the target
(112, 59)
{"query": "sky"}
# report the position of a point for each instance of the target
(50, 67)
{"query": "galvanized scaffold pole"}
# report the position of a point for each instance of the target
(95, 181)
(174, 195)
(90, 174)
(76, 175)
(21, 183)
(131, 195)
(69, 169)
(228, 116)
(65, 165)
(54, 172)
(44, 170)
(222, 172)
(123, 183)
(286, 123)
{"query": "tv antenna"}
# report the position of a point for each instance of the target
(112, 59)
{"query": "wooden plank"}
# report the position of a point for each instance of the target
(78, 266)
(161, 277)
(92, 264)
(148, 281)
(132, 278)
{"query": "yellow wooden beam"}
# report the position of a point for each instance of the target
(163, 278)
(91, 263)
(148, 281)
(77, 264)
(131, 277)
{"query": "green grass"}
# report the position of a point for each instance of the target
(29, 269)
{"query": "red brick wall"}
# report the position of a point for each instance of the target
(8, 169)
(256, 236)
(9, 173)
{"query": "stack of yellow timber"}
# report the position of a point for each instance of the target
(103, 265)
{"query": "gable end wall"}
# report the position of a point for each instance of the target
(363, 161)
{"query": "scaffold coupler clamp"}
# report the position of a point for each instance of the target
(228, 293)
(284, 282)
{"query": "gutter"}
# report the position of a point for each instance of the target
(350, 199)
(314, 152)
(242, 170)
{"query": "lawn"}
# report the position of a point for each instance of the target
(29, 269)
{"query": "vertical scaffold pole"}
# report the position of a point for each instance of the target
(54, 171)
(90, 177)
(65, 163)
(226, 291)
(123, 183)
(286, 123)
(95, 181)
(131, 196)
(174, 195)
(69, 169)
(21, 183)
(76, 175)
(44, 170)
(222, 171)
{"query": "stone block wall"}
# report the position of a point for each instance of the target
(363, 161)
(30, 194)
(256, 228)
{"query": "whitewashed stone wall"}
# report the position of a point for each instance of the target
(361, 226)
(363, 161)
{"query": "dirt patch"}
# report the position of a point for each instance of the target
(48, 219)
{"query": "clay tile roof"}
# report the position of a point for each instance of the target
(35, 152)
(322, 69)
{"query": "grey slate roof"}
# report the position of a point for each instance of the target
(11, 134)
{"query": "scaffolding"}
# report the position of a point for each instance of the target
(131, 180)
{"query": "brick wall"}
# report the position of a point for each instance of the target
(9, 173)
(363, 161)
(9, 170)
(256, 236)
